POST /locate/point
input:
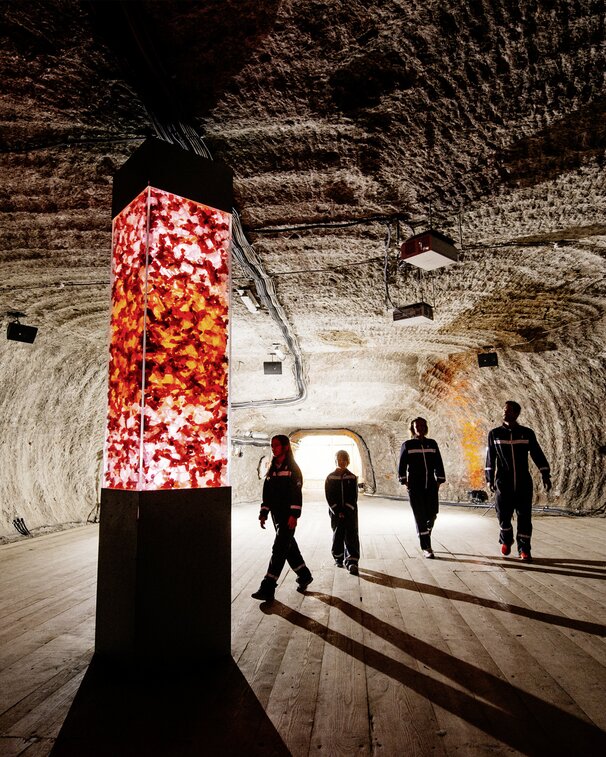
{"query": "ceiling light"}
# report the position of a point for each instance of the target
(249, 299)
(429, 250)
(278, 352)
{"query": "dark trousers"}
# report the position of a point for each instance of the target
(508, 501)
(424, 503)
(345, 538)
(285, 549)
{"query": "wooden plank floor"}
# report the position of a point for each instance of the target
(467, 654)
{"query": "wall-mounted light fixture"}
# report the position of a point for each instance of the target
(249, 299)
(278, 352)
(17, 331)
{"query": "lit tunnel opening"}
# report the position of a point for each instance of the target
(315, 453)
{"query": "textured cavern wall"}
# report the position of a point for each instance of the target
(561, 393)
(246, 469)
(53, 405)
(561, 390)
(51, 431)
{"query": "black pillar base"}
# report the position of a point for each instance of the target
(164, 577)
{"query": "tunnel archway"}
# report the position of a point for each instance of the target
(315, 453)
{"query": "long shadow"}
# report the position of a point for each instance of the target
(586, 569)
(384, 579)
(506, 712)
(118, 713)
(597, 567)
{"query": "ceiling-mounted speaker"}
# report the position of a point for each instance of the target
(487, 359)
(18, 332)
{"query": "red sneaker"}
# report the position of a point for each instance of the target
(505, 549)
(525, 556)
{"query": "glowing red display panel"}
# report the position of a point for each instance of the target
(168, 364)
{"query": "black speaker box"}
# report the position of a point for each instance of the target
(272, 369)
(20, 333)
(487, 359)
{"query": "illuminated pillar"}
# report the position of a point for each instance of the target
(163, 592)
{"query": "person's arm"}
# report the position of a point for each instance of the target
(491, 452)
(403, 465)
(332, 498)
(439, 467)
(264, 511)
(296, 496)
(350, 493)
(539, 459)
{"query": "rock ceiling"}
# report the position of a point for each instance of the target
(349, 127)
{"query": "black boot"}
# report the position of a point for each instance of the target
(425, 540)
(266, 591)
(304, 578)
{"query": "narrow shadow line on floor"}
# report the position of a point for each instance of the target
(396, 582)
(538, 564)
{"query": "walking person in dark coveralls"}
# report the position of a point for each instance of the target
(282, 499)
(422, 471)
(507, 473)
(341, 489)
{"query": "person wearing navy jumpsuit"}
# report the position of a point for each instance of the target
(282, 499)
(507, 474)
(421, 469)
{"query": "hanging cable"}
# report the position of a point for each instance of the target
(461, 228)
(388, 302)
(330, 224)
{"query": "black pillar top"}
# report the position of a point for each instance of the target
(173, 169)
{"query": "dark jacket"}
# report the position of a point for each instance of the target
(282, 491)
(341, 489)
(507, 456)
(421, 464)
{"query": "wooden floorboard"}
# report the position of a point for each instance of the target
(468, 654)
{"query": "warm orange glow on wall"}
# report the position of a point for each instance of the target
(168, 371)
(473, 440)
(450, 384)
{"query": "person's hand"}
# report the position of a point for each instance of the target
(342, 515)
(404, 482)
(262, 522)
(547, 483)
(492, 488)
(292, 522)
